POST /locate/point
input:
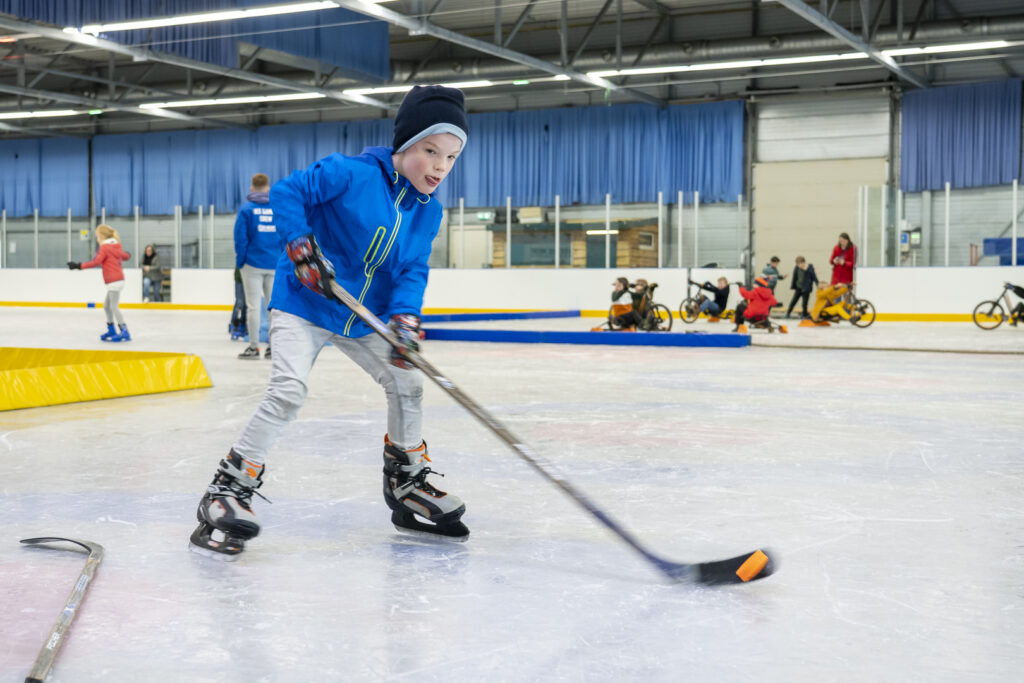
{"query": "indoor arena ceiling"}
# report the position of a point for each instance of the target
(515, 54)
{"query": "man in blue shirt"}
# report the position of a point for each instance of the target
(257, 249)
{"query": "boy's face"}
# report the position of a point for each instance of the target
(428, 161)
(722, 282)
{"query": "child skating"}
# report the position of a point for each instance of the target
(109, 258)
(368, 222)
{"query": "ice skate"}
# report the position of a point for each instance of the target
(110, 334)
(225, 515)
(417, 506)
(251, 353)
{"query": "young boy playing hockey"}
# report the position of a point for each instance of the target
(368, 222)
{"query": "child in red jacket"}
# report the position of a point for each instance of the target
(756, 305)
(109, 258)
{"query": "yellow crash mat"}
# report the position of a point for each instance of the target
(44, 377)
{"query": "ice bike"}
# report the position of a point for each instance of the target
(988, 315)
(654, 317)
(689, 309)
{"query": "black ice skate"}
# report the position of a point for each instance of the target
(226, 519)
(412, 498)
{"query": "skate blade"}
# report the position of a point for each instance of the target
(430, 536)
(206, 552)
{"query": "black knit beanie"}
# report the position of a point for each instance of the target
(428, 110)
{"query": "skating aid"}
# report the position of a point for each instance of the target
(740, 569)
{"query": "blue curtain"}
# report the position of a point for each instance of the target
(629, 151)
(51, 175)
(968, 135)
(346, 39)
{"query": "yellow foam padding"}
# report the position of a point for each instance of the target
(31, 378)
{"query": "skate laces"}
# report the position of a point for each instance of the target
(238, 482)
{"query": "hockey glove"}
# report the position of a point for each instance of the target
(311, 266)
(74, 265)
(406, 327)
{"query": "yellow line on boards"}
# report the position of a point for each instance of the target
(590, 313)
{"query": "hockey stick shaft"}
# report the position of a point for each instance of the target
(676, 571)
(44, 660)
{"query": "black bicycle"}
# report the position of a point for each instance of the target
(689, 309)
(654, 317)
(988, 315)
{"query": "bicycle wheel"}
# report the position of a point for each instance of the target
(988, 315)
(661, 318)
(689, 310)
(863, 313)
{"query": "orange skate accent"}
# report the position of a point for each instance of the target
(742, 329)
(714, 320)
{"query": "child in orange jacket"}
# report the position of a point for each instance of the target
(109, 258)
(756, 305)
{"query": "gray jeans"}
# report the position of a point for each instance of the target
(112, 303)
(257, 283)
(297, 343)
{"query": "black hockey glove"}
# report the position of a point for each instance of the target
(406, 327)
(74, 265)
(311, 266)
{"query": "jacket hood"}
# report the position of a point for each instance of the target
(259, 197)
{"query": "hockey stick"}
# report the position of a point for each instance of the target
(46, 656)
(739, 569)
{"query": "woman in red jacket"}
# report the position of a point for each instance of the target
(109, 258)
(844, 258)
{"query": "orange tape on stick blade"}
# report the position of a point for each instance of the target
(752, 566)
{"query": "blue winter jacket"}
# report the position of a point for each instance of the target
(257, 242)
(371, 223)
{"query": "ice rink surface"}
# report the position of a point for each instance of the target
(890, 484)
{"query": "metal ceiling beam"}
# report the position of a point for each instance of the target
(35, 132)
(107, 104)
(590, 31)
(803, 10)
(519, 23)
(146, 55)
(423, 27)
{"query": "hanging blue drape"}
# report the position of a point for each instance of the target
(356, 44)
(968, 135)
(51, 175)
(629, 151)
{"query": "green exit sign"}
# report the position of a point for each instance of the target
(485, 215)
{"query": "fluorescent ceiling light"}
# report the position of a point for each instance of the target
(39, 114)
(233, 100)
(405, 88)
(805, 59)
(602, 232)
(966, 47)
(204, 17)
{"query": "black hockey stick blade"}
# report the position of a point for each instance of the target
(740, 569)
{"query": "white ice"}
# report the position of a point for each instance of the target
(890, 484)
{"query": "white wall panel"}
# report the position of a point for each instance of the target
(835, 128)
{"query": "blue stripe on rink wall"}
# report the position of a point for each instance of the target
(600, 338)
(525, 315)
